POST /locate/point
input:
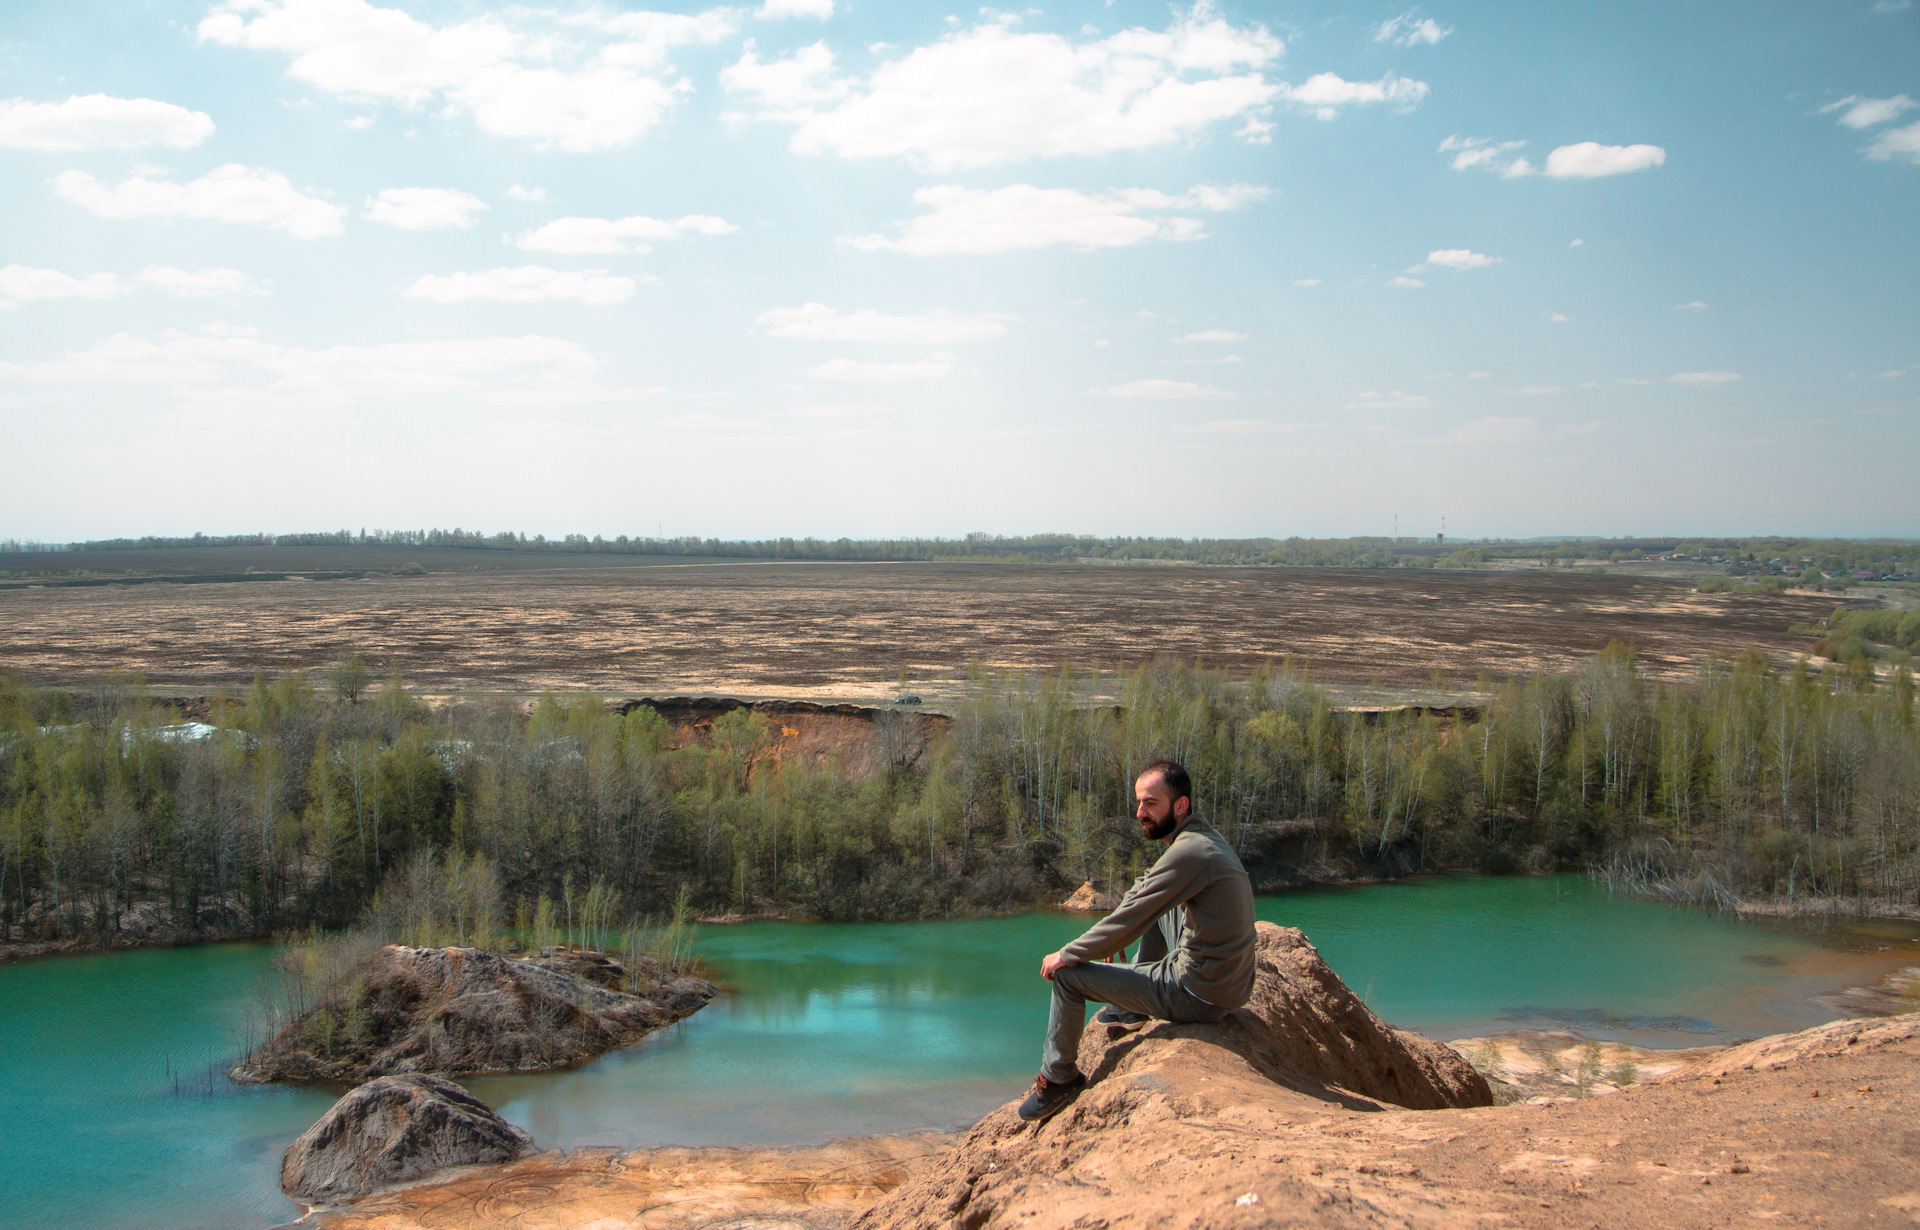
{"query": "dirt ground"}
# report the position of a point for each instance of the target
(1815, 1128)
(846, 631)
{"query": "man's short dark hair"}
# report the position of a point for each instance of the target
(1174, 774)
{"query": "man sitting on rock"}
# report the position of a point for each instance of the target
(1196, 968)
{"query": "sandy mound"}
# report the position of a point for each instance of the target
(393, 1130)
(461, 1010)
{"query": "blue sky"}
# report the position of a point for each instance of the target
(814, 267)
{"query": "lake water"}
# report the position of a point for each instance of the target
(117, 1116)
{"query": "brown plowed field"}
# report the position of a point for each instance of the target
(845, 631)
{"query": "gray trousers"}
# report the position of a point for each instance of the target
(1146, 985)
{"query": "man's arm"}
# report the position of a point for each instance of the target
(1169, 883)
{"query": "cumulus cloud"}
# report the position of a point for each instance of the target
(1695, 306)
(199, 283)
(1537, 390)
(1863, 112)
(252, 196)
(816, 322)
(1896, 143)
(1306, 281)
(992, 94)
(1395, 400)
(524, 284)
(1487, 154)
(1704, 377)
(1325, 93)
(1212, 335)
(1165, 390)
(590, 80)
(604, 236)
(1457, 259)
(773, 10)
(978, 221)
(933, 367)
(495, 370)
(1410, 30)
(1591, 160)
(24, 284)
(424, 209)
(1405, 283)
(100, 121)
(516, 192)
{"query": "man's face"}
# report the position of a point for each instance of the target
(1157, 810)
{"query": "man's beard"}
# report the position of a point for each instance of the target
(1157, 829)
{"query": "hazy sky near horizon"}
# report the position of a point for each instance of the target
(831, 268)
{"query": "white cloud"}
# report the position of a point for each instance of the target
(1306, 281)
(1244, 427)
(586, 81)
(1866, 112)
(772, 10)
(1695, 306)
(517, 193)
(1537, 390)
(1213, 335)
(976, 221)
(1704, 377)
(1896, 143)
(1405, 283)
(1457, 259)
(1165, 390)
(1488, 154)
(24, 284)
(604, 236)
(830, 412)
(1102, 342)
(511, 371)
(1409, 30)
(1591, 160)
(816, 322)
(99, 121)
(424, 209)
(1325, 93)
(1479, 375)
(992, 94)
(249, 195)
(933, 367)
(1557, 318)
(199, 283)
(1395, 400)
(1578, 243)
(524, 284)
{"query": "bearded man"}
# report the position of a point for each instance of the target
(1194, 965)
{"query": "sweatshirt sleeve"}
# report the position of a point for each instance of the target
(1166, 885)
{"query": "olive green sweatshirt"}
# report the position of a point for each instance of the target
(1200, 873)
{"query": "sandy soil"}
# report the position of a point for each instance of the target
(659, 1189)
(1816, 1128)
(831, 631)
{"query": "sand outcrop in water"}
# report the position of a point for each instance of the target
(393, 1130)
(463, 1010)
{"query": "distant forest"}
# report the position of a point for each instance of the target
(293, 805)
(1834, 558)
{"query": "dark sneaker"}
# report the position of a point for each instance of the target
(1111, 1015)
(1050, 1096)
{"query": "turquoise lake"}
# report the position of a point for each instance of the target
(119, 1115)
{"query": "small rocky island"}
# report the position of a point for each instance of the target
(465, 1011)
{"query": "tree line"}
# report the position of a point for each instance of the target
(1833, 555)
(294, 808)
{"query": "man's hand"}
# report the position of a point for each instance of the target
(1052, 964)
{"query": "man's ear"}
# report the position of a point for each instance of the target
(1181, 806)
